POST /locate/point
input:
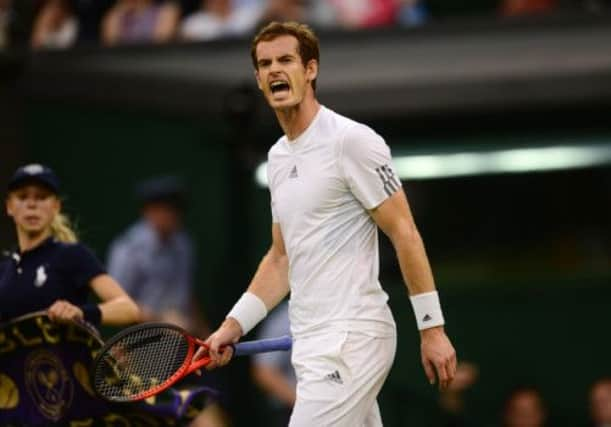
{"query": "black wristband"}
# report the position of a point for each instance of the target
(92, 313)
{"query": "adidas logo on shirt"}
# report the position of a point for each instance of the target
(293, 173)
(335, 377)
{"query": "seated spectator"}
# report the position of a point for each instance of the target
(600, 403)
(221, 18)
(140, 21)
(55, 26)
(318, 13)
(526, 7)
(284, 10)
(365, 13)
(524, 407)
(412, 13)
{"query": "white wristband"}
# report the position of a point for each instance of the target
(427, 310)
(248, 311)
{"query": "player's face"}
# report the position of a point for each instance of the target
(281, 75)
(33, 208)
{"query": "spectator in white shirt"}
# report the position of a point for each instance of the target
(221, 18)
(55, 26)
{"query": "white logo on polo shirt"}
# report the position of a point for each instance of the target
(33, 169)
(41, 276)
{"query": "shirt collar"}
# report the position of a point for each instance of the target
(44, 244)
(296, 144)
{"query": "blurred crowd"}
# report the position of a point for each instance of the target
(60, 24)
(522, 406)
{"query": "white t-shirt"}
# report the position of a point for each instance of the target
(322, 185)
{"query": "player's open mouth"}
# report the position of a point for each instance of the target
(279, 86)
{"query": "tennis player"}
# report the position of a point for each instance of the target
(50, 270)
(332, 185)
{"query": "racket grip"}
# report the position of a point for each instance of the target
(262, 346)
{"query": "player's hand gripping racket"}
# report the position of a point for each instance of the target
(143, 360)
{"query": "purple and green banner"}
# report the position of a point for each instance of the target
(44, 380)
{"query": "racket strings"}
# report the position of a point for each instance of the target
(140, 361)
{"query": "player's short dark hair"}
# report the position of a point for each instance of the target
(307, 40)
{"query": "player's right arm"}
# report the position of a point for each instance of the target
(269, 286)
(271, 280)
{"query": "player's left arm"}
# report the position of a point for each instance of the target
(395, 219)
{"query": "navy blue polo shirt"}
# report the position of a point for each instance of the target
(33, 280)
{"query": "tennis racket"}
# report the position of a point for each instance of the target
(143, 360)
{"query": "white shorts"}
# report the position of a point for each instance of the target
(339, 376)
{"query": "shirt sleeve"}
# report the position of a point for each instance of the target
(367, 166)
(85, 265)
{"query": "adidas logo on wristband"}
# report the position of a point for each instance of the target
(427, 310)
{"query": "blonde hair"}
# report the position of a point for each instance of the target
(61, 229)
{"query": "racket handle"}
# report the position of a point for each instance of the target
(262, 346)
